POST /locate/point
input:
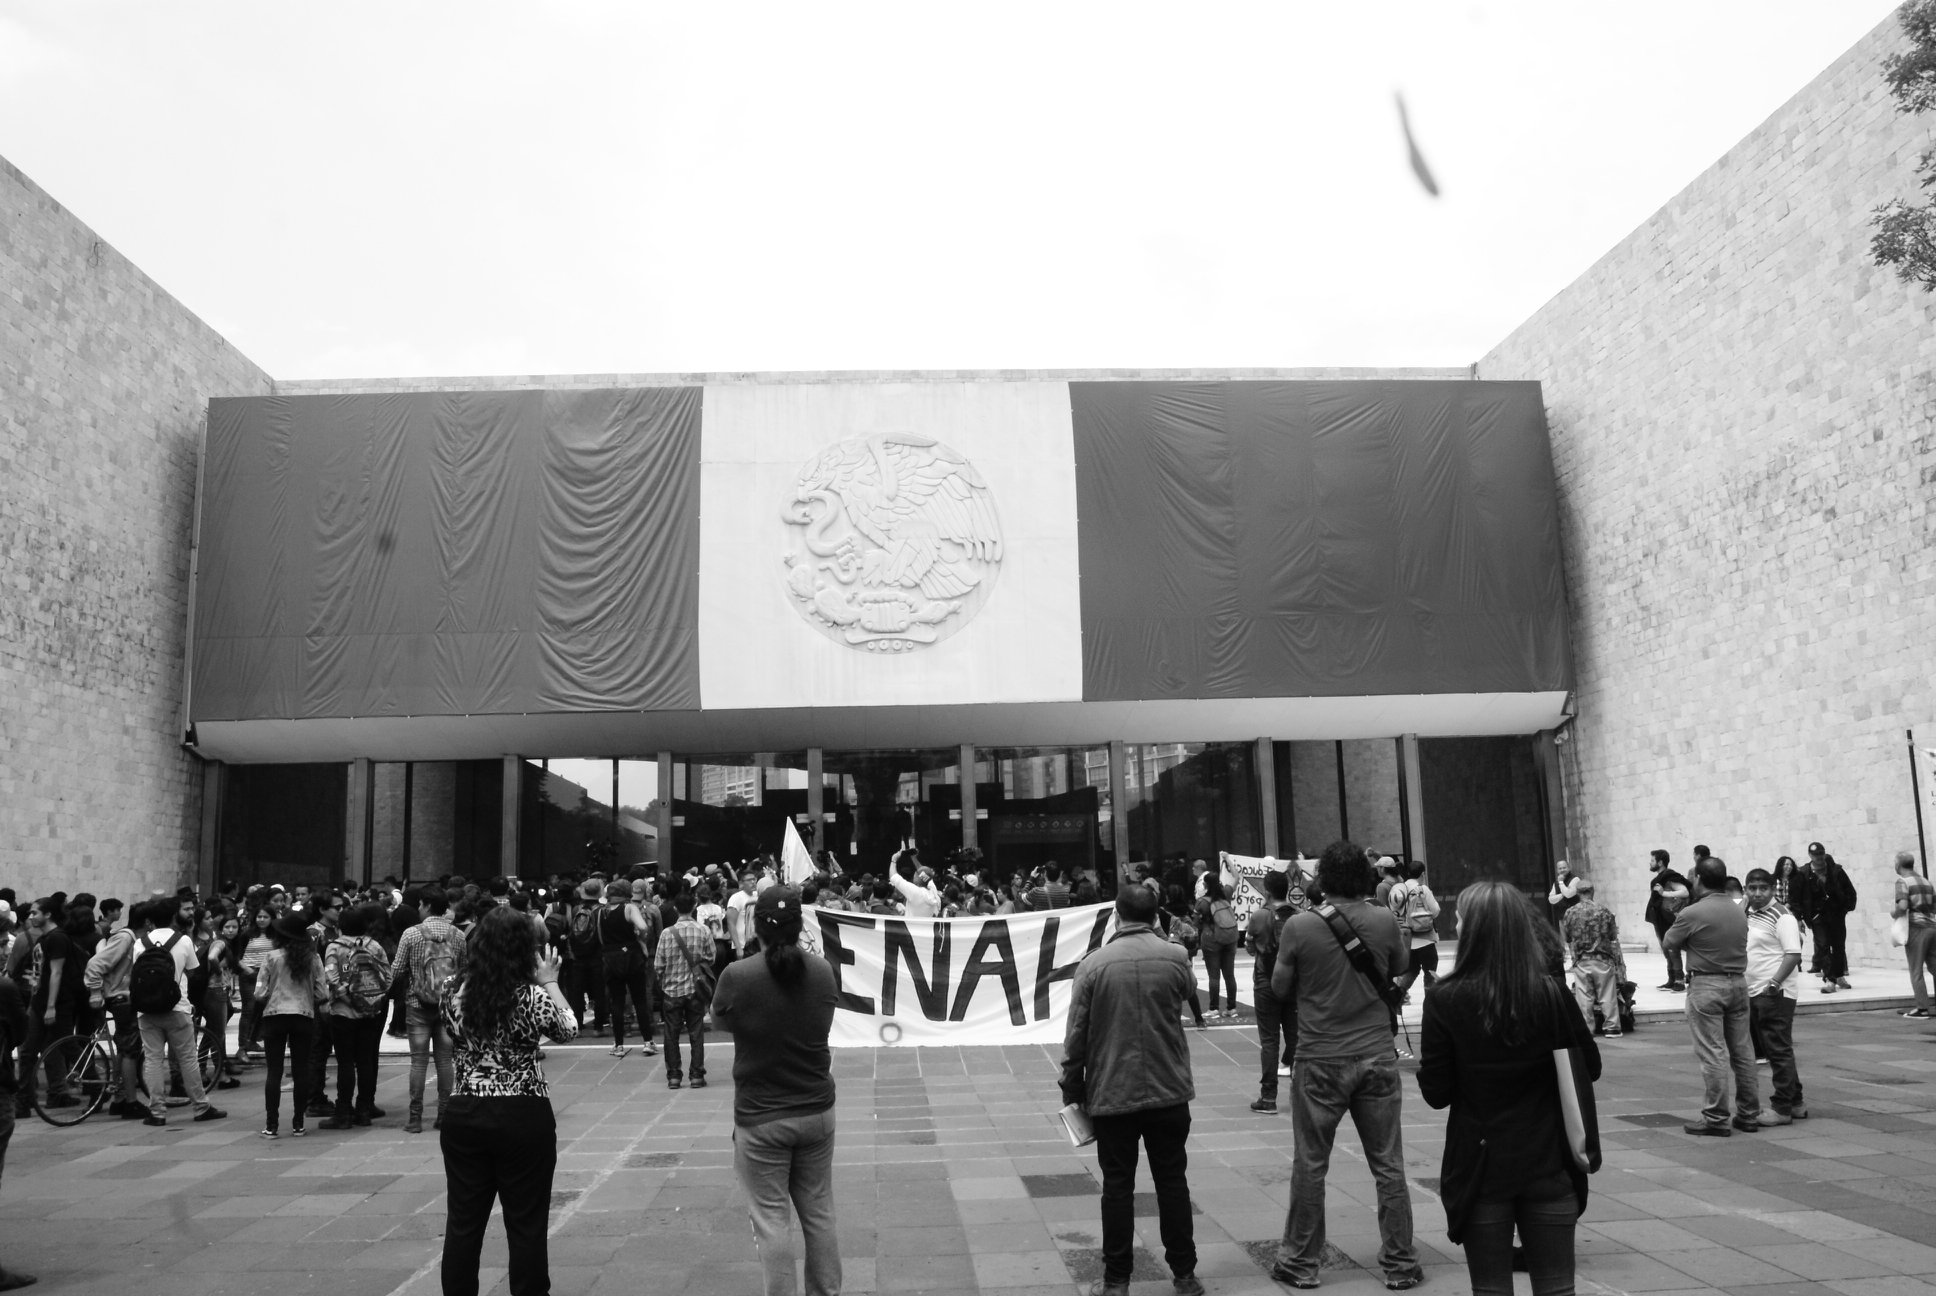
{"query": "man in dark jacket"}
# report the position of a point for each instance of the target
(1667, 896)
(1344, 1064)
(1276, 1018)
(1126, 1062)
(13, 1029)
(1831, 898)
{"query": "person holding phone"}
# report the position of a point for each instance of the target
(500, 1137)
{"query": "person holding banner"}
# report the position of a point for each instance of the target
(1126, 1062)
(1492, 1028)
(779, 1009)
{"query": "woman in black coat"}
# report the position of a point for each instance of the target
(1490, 1030)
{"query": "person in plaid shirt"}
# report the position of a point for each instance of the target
(1593, 939)
(1916, 901)
(684, 964)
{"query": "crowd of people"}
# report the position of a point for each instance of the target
(477, 976)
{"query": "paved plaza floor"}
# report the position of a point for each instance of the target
(953, 1178)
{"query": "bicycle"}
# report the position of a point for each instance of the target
(89, 1067)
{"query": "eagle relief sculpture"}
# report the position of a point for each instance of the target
(892, 542)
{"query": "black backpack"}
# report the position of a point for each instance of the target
(152, 987)
(584, 930)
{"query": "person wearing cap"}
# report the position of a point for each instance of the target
(1831, 897)
(779, 1009)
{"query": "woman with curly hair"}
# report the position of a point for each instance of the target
(289, 991)
(499, 1137)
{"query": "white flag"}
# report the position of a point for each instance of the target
(796, 866)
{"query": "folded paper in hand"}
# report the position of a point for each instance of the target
(1076, 1124)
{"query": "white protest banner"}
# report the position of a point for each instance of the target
(1249, 870)
(1004, 980)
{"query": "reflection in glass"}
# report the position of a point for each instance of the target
(1187, 801)
(734, 807)
(1037, 804)
(284, 823)
(880, 802)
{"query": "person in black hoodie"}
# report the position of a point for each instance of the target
(1490, 1030)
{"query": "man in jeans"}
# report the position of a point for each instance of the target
(172, 1032)
(1713, 932)
(1916, 901)
(1344, 1064)
(684, 949)
(1126, 1063)
(431, 948)
(1774, 963)
(1276, 1018)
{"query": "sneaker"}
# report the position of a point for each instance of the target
(1747, 1126)
(648, 1050)
(1679, 989)
(156, 1121)
(1280, 1274)
(1842, 983)
(1268, 1106)
(228, 1082)
(1103, 1287)
(1701, 1129)
(1798, 1113)
(1770, 1119)
(210, 1114)
(1667, 985)
(619, 1050)
(1916, 1012)
(1761, 1061)
(1400, 1052)
(1614, 1033)
(698, 1082)
(413, 1126)
(673, 1082)
(1828, 987)
(268, 1134)
(1283, 1071)
(1405, 1283)
(1187, 1285)
(297, 1131)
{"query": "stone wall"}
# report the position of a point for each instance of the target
(1744, 431)
(104, 387)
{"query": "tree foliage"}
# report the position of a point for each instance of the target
(1905, 232)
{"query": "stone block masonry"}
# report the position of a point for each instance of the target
(1743, 414)
(104, 388)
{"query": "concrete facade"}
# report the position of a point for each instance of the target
(1744, 430)
(106, 380)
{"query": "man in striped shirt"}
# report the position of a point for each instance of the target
(1774, 962)
(683, 962)
(1916, 901)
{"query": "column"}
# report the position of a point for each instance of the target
(507, 835)
(1411, 786)
(1546, 759)
(356, 826)
(1119, 803)
(969, 836)
(215, 783)
(1267, 796)
(816, 801)
(665, 813)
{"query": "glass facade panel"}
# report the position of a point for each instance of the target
(284, 823)
(880, 802)
(1187, 801)
(735, 807)
(1036, 804)
(1483, 813)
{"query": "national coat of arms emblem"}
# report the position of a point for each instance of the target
(893, 542)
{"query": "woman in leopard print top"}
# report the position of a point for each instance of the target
(499, 1137)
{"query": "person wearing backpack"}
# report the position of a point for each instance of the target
(585, 991)
(621, 928)
(1218, 929)
(1417, 911)
(358, 976)
(158, 990)
(1276, 1018)
(430, 953)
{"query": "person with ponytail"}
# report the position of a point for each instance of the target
(499, 1136)
(779, 1008)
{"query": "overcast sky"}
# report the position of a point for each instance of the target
(361, 190)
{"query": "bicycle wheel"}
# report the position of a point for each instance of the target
(81, 1077)
(206, 1062)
